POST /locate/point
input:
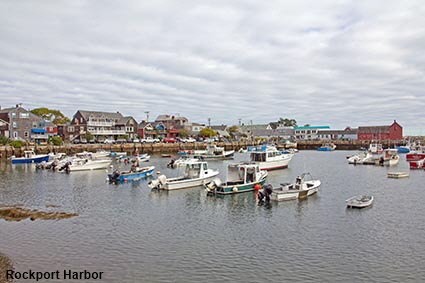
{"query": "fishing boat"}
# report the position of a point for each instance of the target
(327, 147)
(30, 157)
(359, 201)
(375, 148)
(85, 165)
(415, 156)
(117, 153)
(360, 158)
(125, 176)
(303, 187)
(241, 177)
(269, 158)
(213, 152)
(389, 157)
(403, 149)
(143, 157)
(196, 173)
(182, 161)
(419, 164)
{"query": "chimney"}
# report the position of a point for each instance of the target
(17, 105)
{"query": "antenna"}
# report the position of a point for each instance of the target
(147, 116)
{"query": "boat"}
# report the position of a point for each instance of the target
(403, 149)
(182, 161)
(327, 147)
(196, 174)
(30, 157)
(241, 177)
(415, 156)
(269, 158)
(241, 150)
(117, 153)
(375, 148)
(389, 157)
(212, 152)
(92, 155)
(360, 158)
(165, 155)
(85, 165)
(143, 157)
(125, 176)
(419, 164)
(359, 201)
(397, 175)
(303, 187)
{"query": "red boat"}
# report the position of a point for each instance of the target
(420, 164)
(415, 156)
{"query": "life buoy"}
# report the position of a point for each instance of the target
(235, 189)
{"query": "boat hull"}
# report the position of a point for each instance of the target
(284, 195)
(402, 149)
(275, 164)
(30, 160)
(325, 149)
(415, 156)
(90, 167)
(133, 176)
(188, 183)
(235, 189)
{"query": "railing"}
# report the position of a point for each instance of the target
(108, 132)
(100, 124)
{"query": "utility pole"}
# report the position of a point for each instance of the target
(252, 134)
(240, 121)
(209, 123)
(147, 116)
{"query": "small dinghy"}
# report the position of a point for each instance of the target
(134, 175)
(359, 201)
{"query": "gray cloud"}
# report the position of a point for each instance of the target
(321, 62)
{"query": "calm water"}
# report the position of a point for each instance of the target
(135, 235)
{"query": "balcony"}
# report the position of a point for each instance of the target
(108, 132)
(100, 124)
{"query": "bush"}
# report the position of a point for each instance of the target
(17, 143)
(3, 140)
(56, 140)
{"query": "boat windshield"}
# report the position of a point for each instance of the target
(258, 156)
(192, 170)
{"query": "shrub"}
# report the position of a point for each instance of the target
(56, 140)
(17, 143)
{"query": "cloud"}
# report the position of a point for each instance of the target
(322, 62)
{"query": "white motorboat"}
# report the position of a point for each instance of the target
(302, 188)
(181, 162)
(92, 155)
(375, 148)
(268, 157)
(213, 152)
(360, 157)
(196, 174)
(85, 165)
(359, 201)
(389, 157)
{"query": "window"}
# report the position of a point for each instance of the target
(24, 115)
(205, 166)
(26, 135)
(15, 135)
(14, 125)
(13, 115)
(70, 129)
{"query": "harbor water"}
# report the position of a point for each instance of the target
(133, 234)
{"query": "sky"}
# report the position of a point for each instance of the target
(337, 63)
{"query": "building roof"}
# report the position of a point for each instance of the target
(219, 127)
(112, 115)
(153, 124)
(246, 128)
(7, 110)
(125, 119)
(222, 133)
(169, 118)
(273, 133)
(374, 129)
(311, 127)
(337, 132)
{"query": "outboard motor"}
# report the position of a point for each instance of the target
(212, 186)
(171, 163)
(265, 193)
(66, 166)
(158, 183)
(114, 176)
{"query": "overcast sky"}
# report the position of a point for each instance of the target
(337, 63)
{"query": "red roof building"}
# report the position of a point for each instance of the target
(392, 132)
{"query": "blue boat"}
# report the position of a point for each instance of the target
(30, 157)
(402, 149)
(125, 176)
(327, 147)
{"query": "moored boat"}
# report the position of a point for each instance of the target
(125, 176)
(212, 152)
(419, 164)
(360, 158)
(30, 157)
(85, 165)
(241, 177)
(375, 148)
(327, 147)
(389, 157)
(359, 201)
(196, 174)
(303, 187)
(269, 158)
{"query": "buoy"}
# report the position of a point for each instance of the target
(257, 187)
(158, 172)
(235, 189)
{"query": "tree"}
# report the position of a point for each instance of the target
(287, 122)
(89, 136)
(207, 132)
(183, 133)
(56, 140)
(3, 140)
(233, 129)
(51, 115)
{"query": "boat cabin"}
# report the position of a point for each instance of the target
(29, 153)
(375, 148)
(196, 170)
(242, 173)
(265, 154)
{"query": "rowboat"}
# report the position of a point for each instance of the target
(301, 189)
(196, 173)
(30, 157)
(125, 176)
(327, 147)
(241, 177)
(359, 201)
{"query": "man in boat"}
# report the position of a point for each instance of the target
(298, 183)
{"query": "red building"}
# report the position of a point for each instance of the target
(392, 132)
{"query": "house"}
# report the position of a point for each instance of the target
(194, 128)
(390, 132)
(172, 123)
(102, 125)
(4, 128)
(248, 130)
(151, 130)
(308, 132)
(282, 133)
(346, 134)
(51, 129)
(23, 125)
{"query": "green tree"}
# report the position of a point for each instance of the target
(56, 140)
(207, 132)
(17, 143)
(89, 136)
(183, 133)
(287, 122)
(51, 114)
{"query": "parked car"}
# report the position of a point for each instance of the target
(169, 140)
(149, 140)
(121, 141)
(188, 140)
(108, 141)
(136, 140)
